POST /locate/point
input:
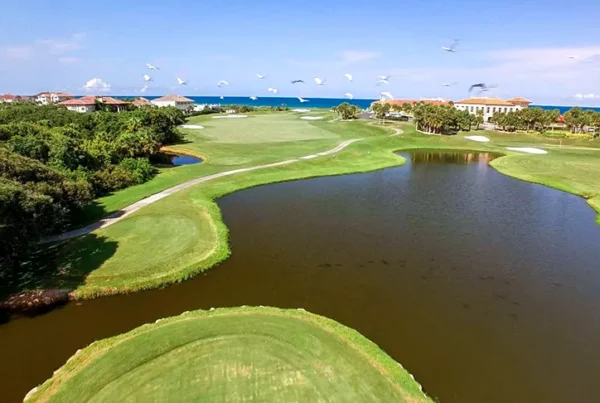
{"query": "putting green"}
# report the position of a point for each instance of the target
(233, 355)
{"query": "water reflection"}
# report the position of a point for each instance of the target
(444, 157)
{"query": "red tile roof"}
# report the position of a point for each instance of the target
(173, 97)
(111, 101)
(84, 101)
(141, 102)
(415, 101)
(520, 100)
(485, 101)
(8, 97)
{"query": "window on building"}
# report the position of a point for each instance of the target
(494, 109)
(488, 110)
(471, 109)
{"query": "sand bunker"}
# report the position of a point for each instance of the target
(229, 116)
(528, 150)
(312, 117)
(480, 139)
(301, 110)
(191, 127)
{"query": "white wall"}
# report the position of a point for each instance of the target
(81, 108)
(488, 110)
(178, 105)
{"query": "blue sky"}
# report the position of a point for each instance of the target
(521, 46)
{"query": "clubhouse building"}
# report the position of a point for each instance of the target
(489, 106)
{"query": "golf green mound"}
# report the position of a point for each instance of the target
(233, 355)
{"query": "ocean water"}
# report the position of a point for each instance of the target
(315, 102)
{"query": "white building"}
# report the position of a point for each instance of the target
(82, 105)
(90, 102)
(489, 106)
(46, 98)
(177, 101)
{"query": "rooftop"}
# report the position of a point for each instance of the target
(485, 101)
(173, 97)
(437, 102)
(520, 100)
(141, 102)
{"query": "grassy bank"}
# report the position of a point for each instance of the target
(183, 234)
(232, 355)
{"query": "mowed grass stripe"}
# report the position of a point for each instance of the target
(230, 355)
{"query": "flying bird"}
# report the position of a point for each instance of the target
(144, 88)
(253, 98)
(384, 77)
(382, 81)
(273, 90)
(262, 76)
(573, 56)
(482, 87)
(222, 83)
(386, 94)
(348, 95)
(348, 76)
(147, 77)
(452, 47)
(449, 84)
(318, 81)
(302, 100)
(297, 81)
(151, 67)
(181, 82)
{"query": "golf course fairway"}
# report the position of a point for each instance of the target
(233, 355)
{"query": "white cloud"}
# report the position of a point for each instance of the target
(24, 52)
(586, 96)
(96, 84)
(44, 48)
(355, 56)
(68, 59)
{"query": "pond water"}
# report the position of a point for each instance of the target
(486, 288)
(178, 160)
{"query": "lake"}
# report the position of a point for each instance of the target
(484, 287)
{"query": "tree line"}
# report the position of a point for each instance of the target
(575, 119)
(53, 162)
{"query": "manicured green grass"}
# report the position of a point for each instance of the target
(233, 355)
(183, 234)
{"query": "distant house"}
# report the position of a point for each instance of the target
(88, 103)
(489, 106)
(177, 101)
(46, 98)
(411, 102)
(139, 102)
(82, 105)
(9, 98)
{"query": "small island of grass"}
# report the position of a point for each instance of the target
(231, 355)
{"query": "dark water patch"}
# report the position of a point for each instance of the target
(167, 159)
(472, 220)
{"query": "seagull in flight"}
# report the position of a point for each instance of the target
(144, 88)
(348, 95)
(181, 82)
(273, 90)
(573, 57)
(262, 76)
(318, 81)
(297, 81)
(222, 83)
(482, 87)
(382, 81)
(302, 100)
(253, 98)
(452, 47)
(449, 84)
(147, 77)
(348, 76)
(386, 94)
(151, 67)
